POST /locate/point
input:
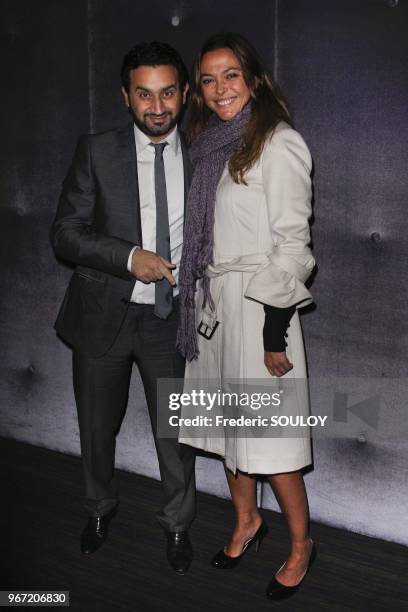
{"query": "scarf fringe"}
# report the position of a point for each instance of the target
(186, 335)
(208, 299)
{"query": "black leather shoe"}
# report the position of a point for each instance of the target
(179, 551)
(96, 532)
(278, 591)
(223, 561)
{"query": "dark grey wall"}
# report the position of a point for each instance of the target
(342, 66)
(115, 26)
(44, 68)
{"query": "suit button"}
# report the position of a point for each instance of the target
(124, 300)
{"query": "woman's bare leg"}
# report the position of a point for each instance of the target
(248, 519)
(290, 492)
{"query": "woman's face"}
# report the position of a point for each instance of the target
(222, 83)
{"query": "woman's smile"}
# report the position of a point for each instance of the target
(225, 102)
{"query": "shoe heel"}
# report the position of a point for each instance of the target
(263, 530)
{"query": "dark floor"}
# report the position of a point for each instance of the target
(41, 517)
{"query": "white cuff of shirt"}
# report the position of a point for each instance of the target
(129, 261)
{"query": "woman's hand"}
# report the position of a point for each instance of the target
(277, 364)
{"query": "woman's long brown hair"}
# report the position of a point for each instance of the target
(268, 105)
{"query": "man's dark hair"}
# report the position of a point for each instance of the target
(153, 54)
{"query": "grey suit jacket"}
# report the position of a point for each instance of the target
(96, 225)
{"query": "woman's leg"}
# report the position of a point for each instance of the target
(248, 520)
(290, 492)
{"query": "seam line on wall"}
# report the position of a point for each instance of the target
(90, 73)
(276, 47)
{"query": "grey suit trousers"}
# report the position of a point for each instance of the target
(101, 388)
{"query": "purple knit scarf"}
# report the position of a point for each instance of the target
(209, 152)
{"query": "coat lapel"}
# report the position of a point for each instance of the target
(127, 155)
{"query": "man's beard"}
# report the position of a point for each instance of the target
(156, 130)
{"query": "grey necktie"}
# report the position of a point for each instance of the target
(163, 303)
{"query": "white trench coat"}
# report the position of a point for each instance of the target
(261, 256)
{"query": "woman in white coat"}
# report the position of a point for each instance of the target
(245, 260)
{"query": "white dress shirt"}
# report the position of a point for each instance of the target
(174, 173)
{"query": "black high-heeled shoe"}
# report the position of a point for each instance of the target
(224, 561)
(278, 591)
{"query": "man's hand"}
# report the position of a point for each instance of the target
(277, 364)
(149, 267)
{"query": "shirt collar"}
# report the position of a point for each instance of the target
(143, 141)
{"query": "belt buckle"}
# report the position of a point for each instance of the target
(206, 331)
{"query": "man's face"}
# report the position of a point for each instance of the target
(155, 99)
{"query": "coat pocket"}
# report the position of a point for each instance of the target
(90, 275)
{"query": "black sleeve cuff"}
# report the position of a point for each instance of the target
(275, 327)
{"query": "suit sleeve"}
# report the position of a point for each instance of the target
(73, 236)
(286, 166)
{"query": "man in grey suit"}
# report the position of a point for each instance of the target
(120, 221)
